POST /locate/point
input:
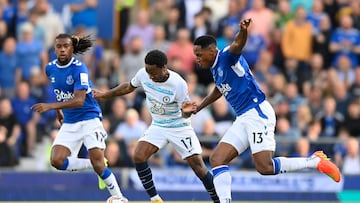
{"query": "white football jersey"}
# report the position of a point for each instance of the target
(164, 99)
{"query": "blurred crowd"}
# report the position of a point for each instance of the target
(304, 54)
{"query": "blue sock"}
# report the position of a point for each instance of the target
(207, 181)
(220, 169)
(277, 165)
(105, 174)
(64, 166)
(145, 175)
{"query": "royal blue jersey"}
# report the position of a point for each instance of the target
(235, 81)
(65, 80)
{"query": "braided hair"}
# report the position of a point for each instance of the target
(80, 43)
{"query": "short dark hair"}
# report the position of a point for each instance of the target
(80, 44)
(156, 57)
(205, 41)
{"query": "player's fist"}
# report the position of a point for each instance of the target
(189, 107)
(244, 24)
(97, 94)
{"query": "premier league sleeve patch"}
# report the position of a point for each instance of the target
(84, 79)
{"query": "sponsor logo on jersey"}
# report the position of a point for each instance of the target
(224, 89)
(63, 96)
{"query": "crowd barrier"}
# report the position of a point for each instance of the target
(175, 185)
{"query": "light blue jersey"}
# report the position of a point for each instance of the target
(235, 81)
(65, 80)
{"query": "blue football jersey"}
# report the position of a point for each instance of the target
(65, 80)
(235, 81)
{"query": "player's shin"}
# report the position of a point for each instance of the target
(111, 183)
(283, 164)
(222, 183)
(208, 182)
(75, 164)
(144, 172)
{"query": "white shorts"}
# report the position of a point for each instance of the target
(183, 139)
(254, 128)
(91, 133)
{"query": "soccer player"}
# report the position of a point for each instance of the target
(255, 122)
(77, 111)
(165, 91)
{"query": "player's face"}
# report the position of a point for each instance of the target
(157, 74)
(63, 50)
(204, 57)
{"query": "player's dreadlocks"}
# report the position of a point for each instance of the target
(80, 43)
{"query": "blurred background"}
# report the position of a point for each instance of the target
(304, 53)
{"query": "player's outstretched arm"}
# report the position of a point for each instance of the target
(76, 102)
(212, 97)
(241, 37)
(122, 89)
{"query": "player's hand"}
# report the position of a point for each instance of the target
(60, 116)
(189, 107)
(244, 24)
(97, 94)
(41, 107)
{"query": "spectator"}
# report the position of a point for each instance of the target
(303, 119)
(84, 14)
(351, 164)
(201, 27)
(354, 90)
(315, 15)
(297, 37)
(345, 40)
(223, 115)
(30, 52)
(188, 8)
(283, 14)
(3, 33)
(182, 49)
(226, 38)
(302, 148)
(287, 134)
(117, 114)
(132, 129)
(264, 68)
(254, 46)
(159, 11)
(159, 41)
(142, 29)
(321, 40)
(344, 71)
(9, 134)
(263, 19)
(208, 139)
(236, 10)
(49, 21)
(27, 118)
(341, 96)
(8, 67)
(132, 60)
(173, 24)
(330, 119)
(352, 118)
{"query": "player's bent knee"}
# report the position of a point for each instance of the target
(138, 158)
(57, 163)
(265, 170)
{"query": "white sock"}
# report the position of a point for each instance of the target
(222, 183)
(156, 197)
(77, 164)
(112, 186)
(294, 164)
